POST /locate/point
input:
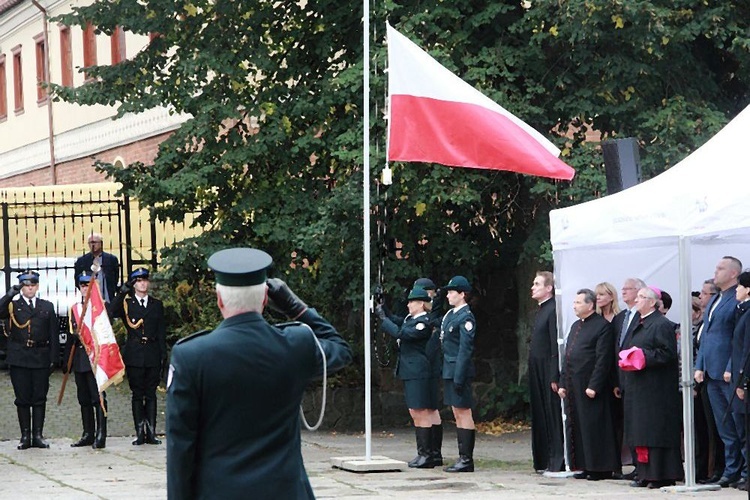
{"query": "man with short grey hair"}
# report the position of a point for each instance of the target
(233, 394)
(713, 355)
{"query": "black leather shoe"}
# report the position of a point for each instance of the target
(598, 476)
(738, 483)
(713, 479)
(655, 485)
(742, 486)
(630, 476)
(580, 475)
(638, 483)
(724, 482)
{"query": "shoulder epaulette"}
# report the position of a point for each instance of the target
(193, 335)
(288, 324)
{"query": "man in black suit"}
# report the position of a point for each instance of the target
(108, 266)
(33, 348)
(233, 394)
(544, 375)
(145, 350)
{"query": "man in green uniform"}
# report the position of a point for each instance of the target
(233, 394)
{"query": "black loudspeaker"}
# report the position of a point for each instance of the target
(622, 164)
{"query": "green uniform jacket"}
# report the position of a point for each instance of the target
(457, 333)
(233, 428)
(413, 334)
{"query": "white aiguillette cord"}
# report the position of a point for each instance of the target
(325, 383)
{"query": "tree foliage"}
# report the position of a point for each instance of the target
(272, 155)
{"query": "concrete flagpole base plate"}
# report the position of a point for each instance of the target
(562, 474)
(375, 464)
(691, 489)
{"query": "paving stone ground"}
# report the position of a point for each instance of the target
(123, 471)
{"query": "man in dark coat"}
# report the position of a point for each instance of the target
(33, 350)
(585, 387)
(652, 398)
(145, 350)
(105, 263)
(544, 374)
(233, 395)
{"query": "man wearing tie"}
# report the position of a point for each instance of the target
(33, 350)
(145, 350)
(623, 322)
(107, 265)
(713, 355)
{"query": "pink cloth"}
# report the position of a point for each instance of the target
(632, 359)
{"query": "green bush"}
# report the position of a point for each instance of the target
(510, 401)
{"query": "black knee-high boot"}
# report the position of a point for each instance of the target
(138, 420)
(24, 420)
(151, 422)
(87, 418)
(100, 440)
(424, 438)
(465, 462)
(437, 444)
(37, 427)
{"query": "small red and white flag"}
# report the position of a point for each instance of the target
(436, 117)
(99, 340)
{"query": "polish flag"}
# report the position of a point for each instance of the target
(436, 117)
(99, 340)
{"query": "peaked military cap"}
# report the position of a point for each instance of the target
(84, 278)
(425, 283)
(458, 283)
(141, 273)
(240, 266)
(419, 293)
(31, 276)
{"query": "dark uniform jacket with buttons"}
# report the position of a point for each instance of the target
(457, 333)
(413, 336)
(233, 398)
(32, 345)
(146, 345)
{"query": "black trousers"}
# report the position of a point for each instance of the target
(30, 385)
(87, 390)
(143, 381)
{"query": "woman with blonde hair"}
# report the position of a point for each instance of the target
(606, 301)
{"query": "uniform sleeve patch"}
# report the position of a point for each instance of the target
(420, 326)
(469, 326)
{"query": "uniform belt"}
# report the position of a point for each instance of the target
(32, 343)
(146, 340)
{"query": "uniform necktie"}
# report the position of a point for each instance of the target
(31, 304)
(624, 328)
(143, 302)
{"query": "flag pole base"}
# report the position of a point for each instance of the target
(559, 475)
(374, 464)
(691, 489)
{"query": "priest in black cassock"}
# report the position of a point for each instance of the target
(652, 398)
(544, 373)
(585, 385)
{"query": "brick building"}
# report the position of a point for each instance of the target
(44, 142)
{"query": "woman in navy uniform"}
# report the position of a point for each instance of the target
(145, 350)
(457, 334)
(33, 350)
(94, 429)
(233, 394)
(413, 367)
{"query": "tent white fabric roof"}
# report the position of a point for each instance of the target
(635, 233)
(669, 231)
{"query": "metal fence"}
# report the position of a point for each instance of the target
(46, 228)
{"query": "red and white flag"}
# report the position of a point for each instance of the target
(436, 117)
(98, 339)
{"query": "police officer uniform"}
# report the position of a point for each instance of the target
(233, 396)
(93, 416)
(33, 350)
(413, 367)
(144, 353)
(457, 335)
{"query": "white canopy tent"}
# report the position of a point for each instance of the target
(669, 231)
